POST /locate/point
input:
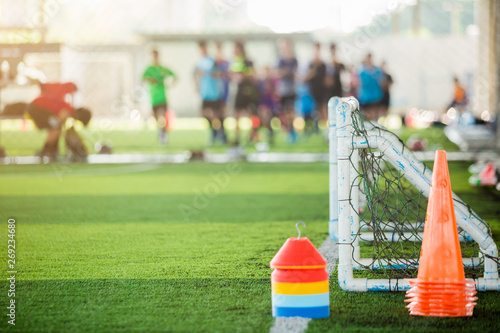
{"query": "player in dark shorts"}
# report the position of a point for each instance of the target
(50, 111)
(287, 70)
(315, 78)
(210, 90)
(370, 89)
(222, 66)
(247, 94)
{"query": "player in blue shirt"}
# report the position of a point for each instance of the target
(370, 89)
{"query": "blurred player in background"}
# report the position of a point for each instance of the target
(305, 106)
(353, 81)
(223, 69)
(287, 70)
(315, 79)
(268, 102)
(334, 71)
(370, 89)
(386, 90)
(50, 111)
(155, 75)
(459, 100)
(210, 87)
(247, 94)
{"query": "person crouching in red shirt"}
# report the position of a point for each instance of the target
(50, 111)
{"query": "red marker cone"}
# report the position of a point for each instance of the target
(299, 282)
(441, 289)
(488, 176)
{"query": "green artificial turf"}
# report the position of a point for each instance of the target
(142, 248)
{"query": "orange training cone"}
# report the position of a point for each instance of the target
(441, 289)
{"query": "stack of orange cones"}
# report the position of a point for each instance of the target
(441, 289)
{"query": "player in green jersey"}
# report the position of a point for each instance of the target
(155, 75)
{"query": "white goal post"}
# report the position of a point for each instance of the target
(344, 201)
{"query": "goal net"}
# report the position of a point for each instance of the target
(378, 201)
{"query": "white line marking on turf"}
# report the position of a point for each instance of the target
(117, 170)
(290, 325)
(330, 251)
(67, 170)
(236, 155)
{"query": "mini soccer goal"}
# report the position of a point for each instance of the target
(378, 200)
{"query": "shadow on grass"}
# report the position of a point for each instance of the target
(223, 305)
(167, 208)
(169, 305)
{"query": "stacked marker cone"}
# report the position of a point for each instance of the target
(299, 281)
(441, 289)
